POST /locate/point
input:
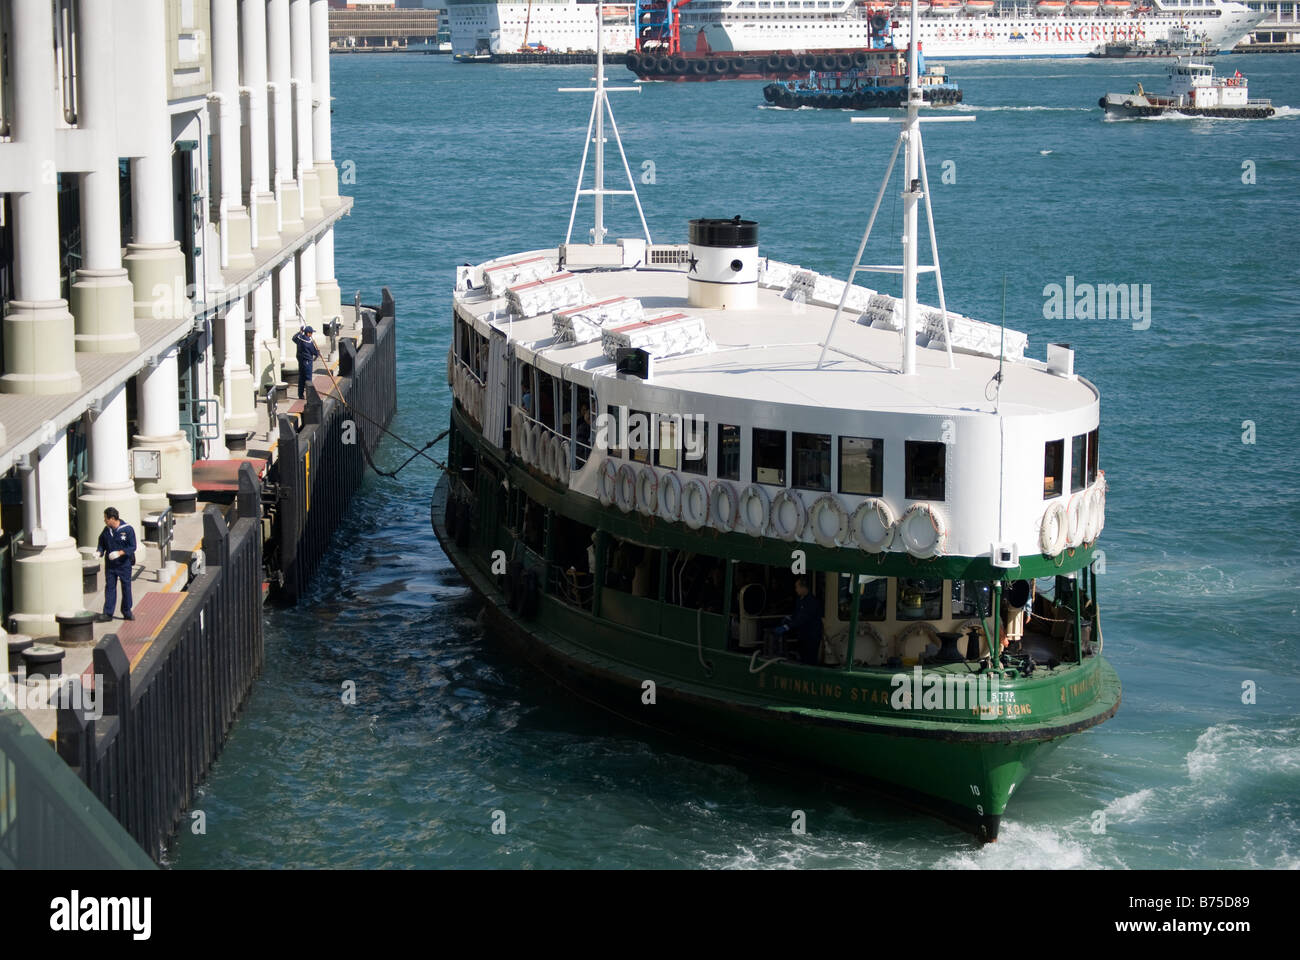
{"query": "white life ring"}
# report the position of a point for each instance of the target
(562, 464)
(873, 525)
(517, 431)
(551, 457)
(695, 503)
(476, 403)
(607, 482)
(1051, 531)
(625, 488)
(1093, 496)
(670, 497)
(817, 519)
(754, 506)
(1101, 506)
(923, 530)
(778, 514)
(723, 514)
(528, 442)
(647, 491)
(1076, 519)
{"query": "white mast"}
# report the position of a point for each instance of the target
(916, 187)
(596, 134)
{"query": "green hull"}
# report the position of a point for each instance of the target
(962, 764)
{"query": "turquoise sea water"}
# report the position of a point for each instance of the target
(1202, 586)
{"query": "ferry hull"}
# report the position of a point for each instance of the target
(965, 777)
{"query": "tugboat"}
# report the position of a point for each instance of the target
(864, 552)
(1194, 91)
(883, 83)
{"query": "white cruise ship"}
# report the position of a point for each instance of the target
(553, 25)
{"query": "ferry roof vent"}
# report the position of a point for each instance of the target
(722, 272)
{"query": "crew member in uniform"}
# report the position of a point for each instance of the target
(307, 353)
(805, 624)
(117, 547)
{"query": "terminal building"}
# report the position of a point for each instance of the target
(168, 198)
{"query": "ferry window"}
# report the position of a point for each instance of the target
(971, 598)
(1053, 463)
(638, 436)
(925, 465)
(526, 391)
(920, 599)
(1078, 462)
(583, 426)
(812, 461)
(667, 448)
(862, 465)
(614, 429)
(769, 456)
(728, 452)
(695, 445)
(1094, 441)
(873, 593)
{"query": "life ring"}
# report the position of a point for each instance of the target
(647, 491)
(670, 497)
(929, 542)
(755, 507)
(1101, 504)
(873, 525)
(516, 431)
(625, 488)
(925, 629)
(1051, 531)
(722, 506)
(562, 464)
(695, 503)
(528, 442)
(607, 482)
(1093, 498)
(552, 460)
(816, 518)
(777, 512)
(1076, 519)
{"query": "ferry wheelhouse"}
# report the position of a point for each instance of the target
(782, 513)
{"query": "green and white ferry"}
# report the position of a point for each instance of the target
(660, 451)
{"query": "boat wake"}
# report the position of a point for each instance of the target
(1006, 108)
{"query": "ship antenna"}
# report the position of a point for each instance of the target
(916, 187)
(600, 106)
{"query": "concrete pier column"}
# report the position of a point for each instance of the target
(320, 113)
(157, 400)
(300, 67)
(101, 298)
(308, 298)
(46, 564)
(237, 386)
(327, 288)
(286, 320)
(154, 260)
(108, 481)
(278, 60)
(39, 354)
(235, 227)
(252, 19)
(266, 349)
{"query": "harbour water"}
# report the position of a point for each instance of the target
(1201, 591)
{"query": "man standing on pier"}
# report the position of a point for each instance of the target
(307, 352)
(117, 546)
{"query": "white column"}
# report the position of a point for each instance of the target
(38, 329)
(236, 228)
(158, 412)
(238, 391)
(46, 565)
(320, 113)
(308, 298)
(287, 322)
(327, 288)
(300, 56)
(260, 198)
(277, 52)
(108, 481)
(266, 350)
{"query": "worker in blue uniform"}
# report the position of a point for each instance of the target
(307, 353)
(117, 547)
(804, 624)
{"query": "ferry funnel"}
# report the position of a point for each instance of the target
(723, 269)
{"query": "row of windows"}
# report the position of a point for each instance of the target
(1083, 464)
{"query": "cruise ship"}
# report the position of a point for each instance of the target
(950, 29)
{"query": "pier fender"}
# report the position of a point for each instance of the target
(924, 531)
(830, 521)
(788, 515)
(670, 498)
(695, 503)
(1051, 531)
(625, 488)
(647, 491)
(562, 463)
(755, 507)
(722, 506)
(1076, 518)
(873, 525)
(607, 482)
